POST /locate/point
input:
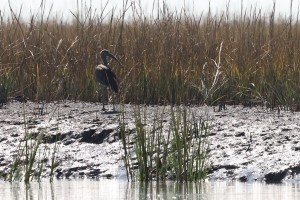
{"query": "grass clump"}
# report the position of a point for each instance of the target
(177, 151)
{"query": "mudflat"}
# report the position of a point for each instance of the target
(246, 144)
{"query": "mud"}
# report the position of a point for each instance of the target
(246, 144)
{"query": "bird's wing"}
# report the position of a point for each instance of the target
(101, 75)
(112, 79)
(105, 76)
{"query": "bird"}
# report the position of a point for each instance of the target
(105, 76)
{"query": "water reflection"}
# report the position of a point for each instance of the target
(119, 189)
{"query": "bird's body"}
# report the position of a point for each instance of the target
(105, 76)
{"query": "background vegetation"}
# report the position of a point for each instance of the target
(171, 58)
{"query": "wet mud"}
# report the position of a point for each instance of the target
(245, 144)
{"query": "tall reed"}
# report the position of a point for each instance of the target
(177, 151)
(173, 57)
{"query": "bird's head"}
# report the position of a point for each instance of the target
(104, 53)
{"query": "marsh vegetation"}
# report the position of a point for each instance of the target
(169, 58)
(177, 150)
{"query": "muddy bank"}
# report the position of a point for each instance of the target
(246, 144)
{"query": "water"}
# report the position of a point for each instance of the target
(116, 189)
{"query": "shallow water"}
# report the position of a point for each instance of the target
(118, 189)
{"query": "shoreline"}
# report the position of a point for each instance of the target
(245, 144)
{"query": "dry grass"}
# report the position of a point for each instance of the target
(176, 58)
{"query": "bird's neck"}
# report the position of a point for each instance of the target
(104, 61)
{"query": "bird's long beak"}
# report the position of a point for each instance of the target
(112, 56)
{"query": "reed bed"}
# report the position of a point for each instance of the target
(177, 150)
(170, 58)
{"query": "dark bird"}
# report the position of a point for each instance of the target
(105, 76)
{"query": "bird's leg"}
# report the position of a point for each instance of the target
(113, 96)
(103, 108)
(102, 97)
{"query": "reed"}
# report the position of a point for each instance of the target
(26, 154)
(6, 85)
(171, 58)
(124, 134)
(177, 151)
(31, 157)
(189, 155)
